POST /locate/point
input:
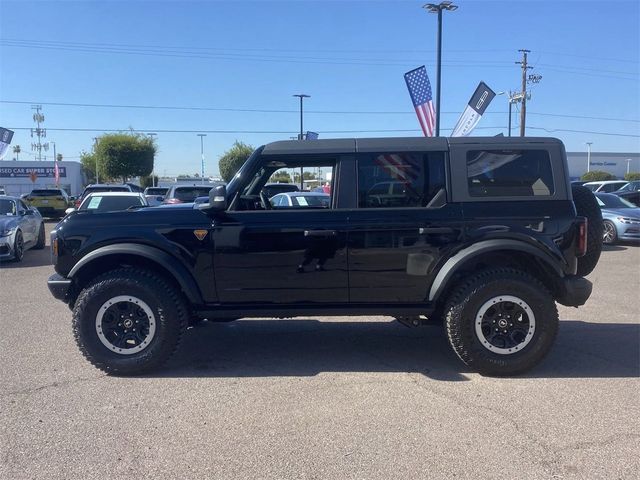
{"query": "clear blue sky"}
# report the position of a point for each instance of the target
(349, 56)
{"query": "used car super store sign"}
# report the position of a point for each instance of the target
(25, 172)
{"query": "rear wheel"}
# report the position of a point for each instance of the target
(587, 206)
(501, 322)
(610, 234)
(128, 321)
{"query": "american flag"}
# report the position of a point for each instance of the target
(422, 98)
(399, 167)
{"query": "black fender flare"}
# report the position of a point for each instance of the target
(486, 246)
(179, 272)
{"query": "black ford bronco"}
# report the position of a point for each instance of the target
(481, 234)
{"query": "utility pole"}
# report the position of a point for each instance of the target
(202, 135)
(523, 111)
(39, 132)
(589, 155)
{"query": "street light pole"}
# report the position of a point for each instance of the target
(301, 96)
(95, 144)
(153, 177)
(202, 135)
(438, 8)
(628, 166)
(589, 155)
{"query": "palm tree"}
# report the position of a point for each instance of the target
(59, 157)
(17, 150)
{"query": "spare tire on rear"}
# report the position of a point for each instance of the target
(587, 206)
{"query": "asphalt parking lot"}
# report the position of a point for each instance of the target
(321, 398)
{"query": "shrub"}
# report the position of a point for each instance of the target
(597, 176)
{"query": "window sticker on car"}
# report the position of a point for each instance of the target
(302, 201)
(94, 203)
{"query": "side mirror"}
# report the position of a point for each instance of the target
(159, 198)
(217, 199)
(27, 212)
(69, 210)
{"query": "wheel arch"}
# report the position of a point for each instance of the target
(112, 257)
(497, 253)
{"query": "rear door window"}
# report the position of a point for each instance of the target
(509, 173)
(396, 180)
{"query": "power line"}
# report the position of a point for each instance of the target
(320, 112)
(164, 52)
(289, 132)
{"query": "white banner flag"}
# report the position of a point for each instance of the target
(474, 110)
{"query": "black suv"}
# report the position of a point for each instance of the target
(482, 234)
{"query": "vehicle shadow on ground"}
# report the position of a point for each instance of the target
(32, 258)
(263, 348)
(613, 248)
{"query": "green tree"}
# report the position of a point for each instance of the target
(280, 177)
(631, 176)
(59, 157)
(597, 176)
(125, 155)
(231, 161)
(148, 181)
(88, 162)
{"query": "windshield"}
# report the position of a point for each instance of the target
(613, 201)
(155, 191)
(7, 207)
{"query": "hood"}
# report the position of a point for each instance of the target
(622, 212)
(7, 221)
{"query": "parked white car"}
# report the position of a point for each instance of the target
(605, 186)
(111, 202)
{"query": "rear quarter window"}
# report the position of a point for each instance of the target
(509, 173)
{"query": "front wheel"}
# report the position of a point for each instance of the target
(18, 247)
(128, 321)
(501, 322)
(610, 234)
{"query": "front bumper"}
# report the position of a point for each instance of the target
(575, 291)
(59, 287)
(6, 246)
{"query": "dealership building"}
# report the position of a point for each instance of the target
(615, 163)
(18, 177)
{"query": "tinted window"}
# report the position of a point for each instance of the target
(507, 173)
(189, 194)
(46, 193)
(155, 191)
(399, 179)
(311, 201)
(113, 188)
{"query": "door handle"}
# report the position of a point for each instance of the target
(320, 233)
(432, 230)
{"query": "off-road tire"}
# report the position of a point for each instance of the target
(612, 237)
(466, 302)
(157, 293)
(587, 206)
(41, 238)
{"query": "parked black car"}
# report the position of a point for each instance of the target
(483, 237)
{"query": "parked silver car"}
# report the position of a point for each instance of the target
(21, 228)
(621, 219)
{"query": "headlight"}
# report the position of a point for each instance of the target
(629, 220)
(5, 232)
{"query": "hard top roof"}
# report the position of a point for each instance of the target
(398, 144)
